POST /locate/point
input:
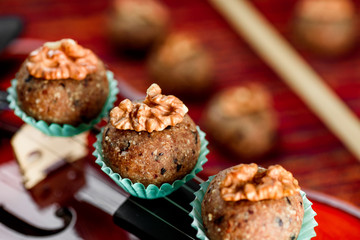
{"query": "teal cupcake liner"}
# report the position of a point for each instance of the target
(63, 130)
(307, 228)
(151, 191)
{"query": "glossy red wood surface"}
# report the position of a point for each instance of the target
(306, 147)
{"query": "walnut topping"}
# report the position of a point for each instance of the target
(155, 113)
(242, 100)
(248, 182)
(61, 60)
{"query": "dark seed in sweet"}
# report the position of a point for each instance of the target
(106, 132)
(158, 156)
(196, 136)
(250, 211)
(175, 160)
(178, 167)
(28, 79)
(293, 237)
(76, 103)
(163, 170)
(126, 147)
(219, 220)
(288, 200)
(279, 221)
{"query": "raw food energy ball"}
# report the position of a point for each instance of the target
(63, 83)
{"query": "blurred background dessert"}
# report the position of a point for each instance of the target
(326, 27)
(242, 120)
(137, 25)
(182, 65)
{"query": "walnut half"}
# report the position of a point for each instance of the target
(155, 113)
(63, 59)
(249, 182)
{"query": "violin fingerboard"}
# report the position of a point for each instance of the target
(160, 219)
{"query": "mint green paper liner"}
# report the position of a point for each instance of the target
(63, 130)
(151, 191)
(307, 228)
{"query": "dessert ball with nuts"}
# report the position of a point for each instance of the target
(326, 27)
(137, 24)
(151, 142)
(241, 119)
(249, 202)
(181, 65)
(63, 83)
